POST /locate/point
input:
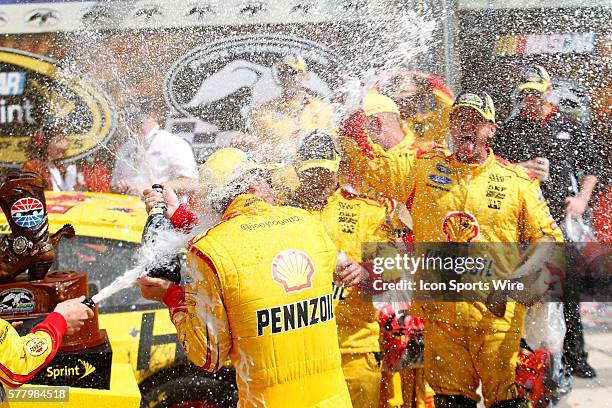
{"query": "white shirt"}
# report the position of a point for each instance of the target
(68, 180)
(160, 157)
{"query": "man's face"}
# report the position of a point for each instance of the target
(471, 133)
(317, 185)
(290, 80)
(385, 129)
(533, 100)
(57, 147)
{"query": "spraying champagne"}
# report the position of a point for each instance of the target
(169, 267)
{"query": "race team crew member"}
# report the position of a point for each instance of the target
(259, 290)
(152, 155)
(469, 196)
(412, 92)
(350, 221)
(540, 131)
(276, 126)
(379, 121)
(22, 357)
(379, 124)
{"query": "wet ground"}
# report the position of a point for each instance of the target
(597, 392)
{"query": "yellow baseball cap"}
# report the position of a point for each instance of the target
(535, 77)
(227, 165)
(480, 101)
(374, 103)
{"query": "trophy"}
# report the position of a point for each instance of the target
(28, 292)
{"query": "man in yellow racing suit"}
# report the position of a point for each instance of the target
(467, 196)
(350, 221)
(412, 91)
(259, 290)
(380, 125)
(22, 357)
(277, 125)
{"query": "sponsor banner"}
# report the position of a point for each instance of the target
(34, 88)
(569, 43)
(25, 17)
(90, 368)
(563, 40)
(203, 86)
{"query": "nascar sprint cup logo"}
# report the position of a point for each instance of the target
(213, 89)
(35, 91)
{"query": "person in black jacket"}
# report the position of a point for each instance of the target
(560, 152)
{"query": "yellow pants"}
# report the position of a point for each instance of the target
(362, 375)
(411, 391)
(416, 393)
(457, 358)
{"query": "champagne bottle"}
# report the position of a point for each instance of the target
(170, 266)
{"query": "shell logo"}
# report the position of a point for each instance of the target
(293, 270)
(460, 226)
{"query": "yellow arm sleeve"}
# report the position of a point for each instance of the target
(433, 126)
(22, 357)
(384, 171)
(536, 222)
(201, 322)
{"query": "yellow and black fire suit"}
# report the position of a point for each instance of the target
(278, 126)
(415, 392)
(22, 357)
(280, 123)
(259, 290)
(452, 201)
(351, 221)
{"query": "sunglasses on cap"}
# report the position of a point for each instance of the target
(530, 92)
(287, 71)
(534, 74)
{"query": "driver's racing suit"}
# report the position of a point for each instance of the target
(259, 290)
(455, 202)
(352, 221)
(22, 357)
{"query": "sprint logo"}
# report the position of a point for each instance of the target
(82, 370)
(87, 367)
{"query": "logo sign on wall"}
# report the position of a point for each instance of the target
(567, 43)
(213, 88)
(35, 90)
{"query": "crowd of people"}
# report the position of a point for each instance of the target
(276, 286)
(384, 175)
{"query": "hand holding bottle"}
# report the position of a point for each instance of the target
(153, 197)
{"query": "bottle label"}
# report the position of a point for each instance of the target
(156, 210)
